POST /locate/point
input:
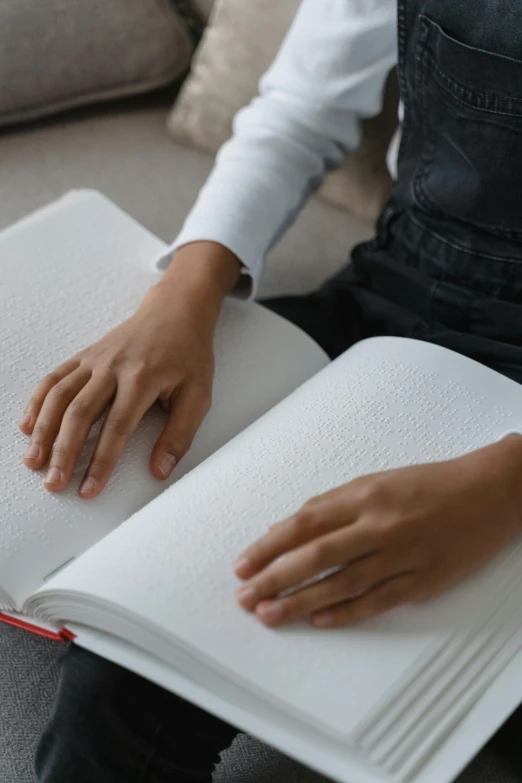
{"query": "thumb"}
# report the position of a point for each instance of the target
(189, 408)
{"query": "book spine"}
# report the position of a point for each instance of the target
(63, 635)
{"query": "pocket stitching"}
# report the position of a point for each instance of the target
(426, 157)
(463, 249)
(458, 90)
(454, 86)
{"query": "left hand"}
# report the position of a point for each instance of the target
(391, 538)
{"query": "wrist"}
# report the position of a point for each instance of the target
(198, 278)
(504, 465)
(207, 267)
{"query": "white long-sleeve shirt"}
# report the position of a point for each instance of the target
(329, 74)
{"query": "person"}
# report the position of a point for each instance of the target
(445, 266)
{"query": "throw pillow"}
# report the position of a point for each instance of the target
(240, 42)
(204, 7)
(63, 53)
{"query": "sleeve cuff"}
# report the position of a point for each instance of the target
(247, 284)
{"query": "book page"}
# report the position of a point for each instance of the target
(164, 580)
(70, 273)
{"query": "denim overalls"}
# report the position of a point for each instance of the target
(446, 265)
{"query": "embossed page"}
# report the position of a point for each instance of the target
(387, 402)
(69, 274)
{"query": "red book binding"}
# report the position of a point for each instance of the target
(63, 635)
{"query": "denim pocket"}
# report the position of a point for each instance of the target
(471, 164)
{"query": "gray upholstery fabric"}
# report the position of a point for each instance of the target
(128, 155)
(61, 53)
(28, 677)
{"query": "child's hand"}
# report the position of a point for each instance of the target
(164, 353)
(395, 537)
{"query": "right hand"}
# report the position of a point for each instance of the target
(163, 353)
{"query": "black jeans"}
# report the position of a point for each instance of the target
(111, 726)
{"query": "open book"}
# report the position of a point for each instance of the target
(143, 574)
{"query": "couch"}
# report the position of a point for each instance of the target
(123, 149)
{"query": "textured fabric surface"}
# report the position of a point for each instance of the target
(128, 155)
(58, 54)
(239, 44)
(28, 678)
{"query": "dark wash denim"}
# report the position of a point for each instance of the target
(445, 267)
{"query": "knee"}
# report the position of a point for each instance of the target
(88, 721)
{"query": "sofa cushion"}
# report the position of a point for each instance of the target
(128, 155)
(204, 7)
(62, 53)
(240, 42)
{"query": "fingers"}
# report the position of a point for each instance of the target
(74, 427)
(318, 517)
(130, 403)
(346, 585)
(309, 562)
(383, 598)
(46, 426)
(33, 407)
(189, 408)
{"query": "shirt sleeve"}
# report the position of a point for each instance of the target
(329, 74)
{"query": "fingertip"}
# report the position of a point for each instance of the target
(247, 597)
(53, 487)
(323, 620)
(32, 464)
(89, 487)
(54, 480)
(34, 457)
(271, 613)
(243, 568)
(162, 463)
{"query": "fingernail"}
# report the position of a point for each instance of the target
(243, 568)
(270, 613)
(323, 620)
(88, 486)
(167, 464)
(33, 452)
(247, 597)
(26, 420)
(54, 476)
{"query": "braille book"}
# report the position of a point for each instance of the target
(143, 574)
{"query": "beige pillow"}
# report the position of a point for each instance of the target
(56, 54)
(204, 7)
(240, 42)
